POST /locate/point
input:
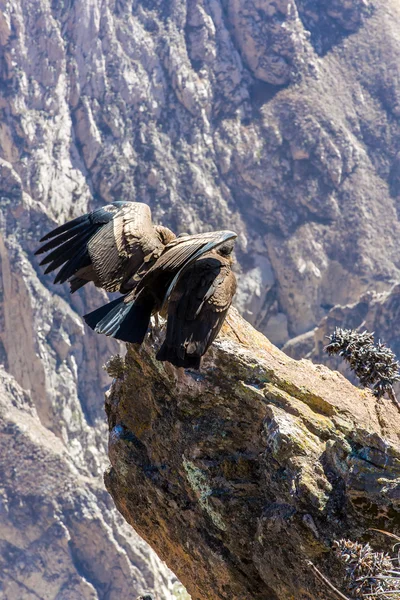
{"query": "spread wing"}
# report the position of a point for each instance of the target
(127, 318)
(106, 246)
(178, 255)
(123, 244)
(67, 244)
(197, 309)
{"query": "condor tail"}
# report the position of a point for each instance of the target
(125, 321)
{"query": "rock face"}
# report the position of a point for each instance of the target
(374, 312)
(52, 436)
(279, 119)
(60, 536)
(239, 474)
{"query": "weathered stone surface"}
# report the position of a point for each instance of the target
(276, 119)
(240, 473)
(60, 536)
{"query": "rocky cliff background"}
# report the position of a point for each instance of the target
(279, 119)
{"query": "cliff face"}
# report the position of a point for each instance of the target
(60, 536)
(276, 119)
(375, 312)
(240, 475)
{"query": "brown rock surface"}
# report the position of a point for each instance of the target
(239, 474)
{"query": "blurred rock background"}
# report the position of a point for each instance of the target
(279, 119)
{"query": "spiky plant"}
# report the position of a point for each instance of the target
(369, 574)
(374, 364)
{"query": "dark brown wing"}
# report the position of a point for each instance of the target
(127, 318)
(177, 256)
(197, 309)
(124, 244)
(66, 245)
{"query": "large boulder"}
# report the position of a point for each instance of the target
(240, 474)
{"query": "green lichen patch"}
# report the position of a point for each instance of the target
(314, 401)
(199, 484)
(317, 423)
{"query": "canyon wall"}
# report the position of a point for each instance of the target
(278, 119)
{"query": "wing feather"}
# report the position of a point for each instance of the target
(197, 309)
(223, 290)
(97, 217)
(181, 253)
(121, 246)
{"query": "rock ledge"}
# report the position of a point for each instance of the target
(240, 474)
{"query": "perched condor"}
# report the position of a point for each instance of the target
(186, 278)
(197, 307)
(192, 281)
(106, 246)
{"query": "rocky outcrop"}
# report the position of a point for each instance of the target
(240, 474)
(276, 119)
